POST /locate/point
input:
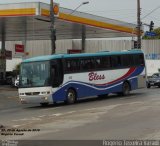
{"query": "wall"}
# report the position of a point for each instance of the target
(11, 64)
(44, 47)
(152, 66)
(151, 48)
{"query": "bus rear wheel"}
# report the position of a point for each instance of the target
(71, 96)
(125, 89)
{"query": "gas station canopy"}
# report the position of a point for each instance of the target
(31, 21)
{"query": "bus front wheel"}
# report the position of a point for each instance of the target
(125, 89)
(71, 96)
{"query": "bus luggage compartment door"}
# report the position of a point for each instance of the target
(141, 81)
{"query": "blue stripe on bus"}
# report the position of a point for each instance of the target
(85, 89)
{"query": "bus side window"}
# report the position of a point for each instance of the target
(103, 63)
(139, 59)
(68, 66)
(72, 66)
(54, 76)
(87, 64)
(116, 62)
(127, 60)
(56, 73)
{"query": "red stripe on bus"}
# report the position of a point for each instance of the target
(131, 70)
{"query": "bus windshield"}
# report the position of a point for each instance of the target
(35, 74)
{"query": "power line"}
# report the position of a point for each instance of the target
(150, 12)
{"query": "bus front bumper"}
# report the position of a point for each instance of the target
(36, 99)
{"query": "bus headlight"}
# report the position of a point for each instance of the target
(22, 100)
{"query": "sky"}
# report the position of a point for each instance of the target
(125, 10)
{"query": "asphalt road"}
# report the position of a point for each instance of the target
(114, 117)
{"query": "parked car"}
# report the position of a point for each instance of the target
(154, 80)
(9, 80)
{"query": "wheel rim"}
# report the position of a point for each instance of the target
(71, 96)
(126, 89)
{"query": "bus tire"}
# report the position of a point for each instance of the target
(125, 89)
(71, 96)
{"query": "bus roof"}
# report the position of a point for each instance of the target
(58, 56)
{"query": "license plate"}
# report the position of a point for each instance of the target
(152, 83)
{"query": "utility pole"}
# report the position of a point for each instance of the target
(83, 38)
(53, 30)
(3, 50)
(138, 25)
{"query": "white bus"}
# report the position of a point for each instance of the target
(70, 77)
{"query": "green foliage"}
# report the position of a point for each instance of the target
(157, 31)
